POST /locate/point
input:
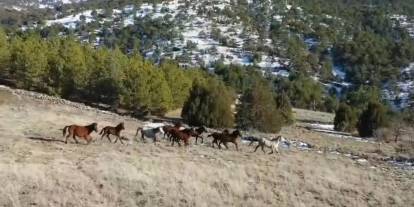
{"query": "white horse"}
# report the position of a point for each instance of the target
(273, 144)
(149, 133)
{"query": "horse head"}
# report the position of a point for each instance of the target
(237, 133)
(202, 129)
(121, 126)
(95, 127)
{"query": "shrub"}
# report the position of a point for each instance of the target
(260, 110)
(345, 118)
(372, 118)
(209, 105)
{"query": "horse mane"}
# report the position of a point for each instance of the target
(278, 138)
(91, 127)
(120, 126)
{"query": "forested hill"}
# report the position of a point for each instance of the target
(345, 47)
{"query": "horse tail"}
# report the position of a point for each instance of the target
(64, 130)
(210, 135)
(102, 131)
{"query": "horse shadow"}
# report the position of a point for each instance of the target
(43, 139)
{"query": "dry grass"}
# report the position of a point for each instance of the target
(50, 173)
(313, 116)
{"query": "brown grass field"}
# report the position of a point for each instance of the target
(38, 169)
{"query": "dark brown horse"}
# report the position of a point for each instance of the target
(80, 131)
(178, 135)
(168, 128)
(198, 131)
(225, 137)
(116, 131)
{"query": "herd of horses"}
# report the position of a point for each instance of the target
(174, 133)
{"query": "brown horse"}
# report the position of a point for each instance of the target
(116, 131)
(225, 137)
(178, 135)
(80, 131)
(198, 131)
(168, 128)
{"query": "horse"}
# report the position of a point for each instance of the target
(106, 131)
(198, 131)
(184, 135)
(252, 139)
(150, 133)
(225, 137)
(272, 144)
(167, 129)
(80, 131)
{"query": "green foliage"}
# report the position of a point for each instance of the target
(360, 98)
(260, 110)
(28, 62)
(372, 118)
(368, 58)
(209, 105)
(237, 77)
(178, 81)
(330, 104)
(4, 52)
(345, 118)
(305, 92)
(285, 108)
(67, 68)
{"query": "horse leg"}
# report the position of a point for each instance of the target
(88, 139)
(225, 144)
(109, 139)
(271, 152)
(218, 144)
(74, 137)
(142, 136)
(257, 147)
(237, 146)
(263, 148)
(251, 142)
(119, 138)
(67, 136)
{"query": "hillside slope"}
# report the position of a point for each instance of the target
(37, 168)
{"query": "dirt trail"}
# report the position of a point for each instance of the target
(38, 169)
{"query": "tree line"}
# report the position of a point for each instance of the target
(64, 67)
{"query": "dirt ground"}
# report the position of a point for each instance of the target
(38, 169)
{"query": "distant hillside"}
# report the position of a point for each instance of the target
(342, 44)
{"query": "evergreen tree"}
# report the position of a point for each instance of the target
(29, 62)
(178, 81)
(345, 118)
(259, 110)
(372, 118)
(209, 105)
(4, 53)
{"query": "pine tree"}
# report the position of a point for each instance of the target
(372, 118)
(178, 82)
(345, 118)
(4, 53)
(29, 62)
(209, 105)
(259, 109)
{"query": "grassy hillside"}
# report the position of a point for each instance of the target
(37, 168)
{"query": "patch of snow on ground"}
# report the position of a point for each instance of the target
(72, 20)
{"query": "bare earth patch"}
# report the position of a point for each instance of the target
(38, 169)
